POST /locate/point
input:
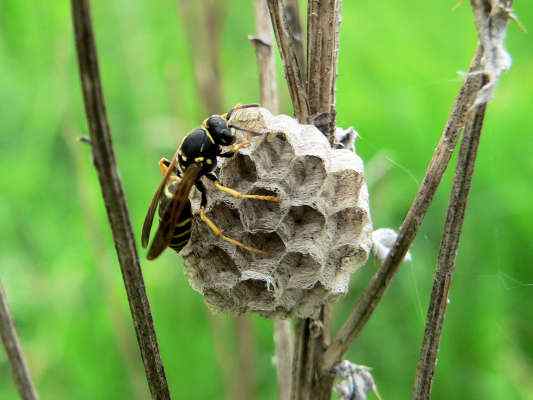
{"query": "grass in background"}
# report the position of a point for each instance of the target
(397, 78)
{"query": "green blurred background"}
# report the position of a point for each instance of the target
(398, 75)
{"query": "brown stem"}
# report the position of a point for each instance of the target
(491, 21)
(312, 337)
(323, 24)
(291, 12)
(117, 211)
(447, 254)
(103, 258)
(371, 296)
(291, 62)
(19, 368)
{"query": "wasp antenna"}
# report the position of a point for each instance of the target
(240, 128)
(239, 107)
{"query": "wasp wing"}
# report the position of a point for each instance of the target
(147, 224)
(229, 114)
(173, 211)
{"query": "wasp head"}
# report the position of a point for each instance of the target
(218, 128)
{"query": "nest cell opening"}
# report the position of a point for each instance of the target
(258, 215)
(307, 176)
(239, 173)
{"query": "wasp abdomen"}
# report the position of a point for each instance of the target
(182, 230)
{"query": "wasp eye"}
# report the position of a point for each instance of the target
(226, 137)
(218, 127)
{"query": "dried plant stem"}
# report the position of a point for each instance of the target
(371, 296)
(291, 61)
(19, 368)
(124, 339)
(311, 337)
(447, 253)
(323, 25)
(291, 12)
(491, 21)
(117, 211)
(309, 382)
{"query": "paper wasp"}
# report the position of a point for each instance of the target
(196, 157)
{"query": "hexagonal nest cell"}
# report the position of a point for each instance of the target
(314, 239)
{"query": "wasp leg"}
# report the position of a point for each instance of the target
(235, 149)
(163, 165)
(239, 195)
(201, 188)
(240, 128)
(218, 232)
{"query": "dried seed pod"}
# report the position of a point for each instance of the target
(315, 238)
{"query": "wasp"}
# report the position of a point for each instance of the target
(195, 157)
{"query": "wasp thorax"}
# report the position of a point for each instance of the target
(218, 128)
(313, 240)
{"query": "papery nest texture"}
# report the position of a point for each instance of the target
(315, 238)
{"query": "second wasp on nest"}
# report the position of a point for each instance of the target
(295, 251)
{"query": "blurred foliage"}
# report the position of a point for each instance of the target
(398, 76)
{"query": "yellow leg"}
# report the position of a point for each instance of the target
(220, 233)
(242, 145)
(163, 166)
(239, 195)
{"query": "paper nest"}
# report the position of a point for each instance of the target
(315, 238)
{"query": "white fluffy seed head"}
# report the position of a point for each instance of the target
(315, 238)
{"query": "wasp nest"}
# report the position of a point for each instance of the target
(315, 238)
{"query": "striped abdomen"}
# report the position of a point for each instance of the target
(182, 229)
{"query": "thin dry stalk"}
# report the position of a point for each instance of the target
(311, 337)
(323, 25)
(491, 21)
(447, 254)
(371, 296)
(117, 211)
(102, 257)
(19, 368)
(290, 58)
(291, 13)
